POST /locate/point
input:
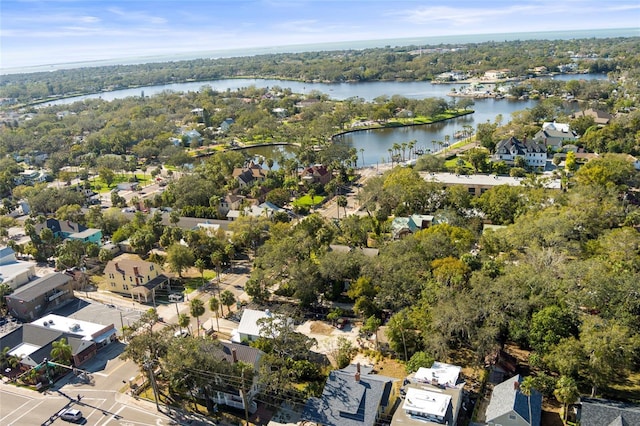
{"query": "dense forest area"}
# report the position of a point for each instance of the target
(560, 279)
(391, 63)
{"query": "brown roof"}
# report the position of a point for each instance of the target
(129, 267)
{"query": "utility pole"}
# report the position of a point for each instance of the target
(244, 399)
(149, 366)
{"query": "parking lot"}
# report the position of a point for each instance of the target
(100, 313)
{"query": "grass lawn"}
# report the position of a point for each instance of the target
(100, 186)
(629, 390)
(453, 163)
(305, 201)
(193, 280)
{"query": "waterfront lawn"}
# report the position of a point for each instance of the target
(306, 201)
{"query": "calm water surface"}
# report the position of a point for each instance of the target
(375, 143)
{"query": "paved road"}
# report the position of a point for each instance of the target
(233, 280)
(102, 403)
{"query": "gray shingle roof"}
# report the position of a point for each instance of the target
(506, 398)
(603, 412)
(347, 402)
(514, 146)
(244, 353)
(40, 286)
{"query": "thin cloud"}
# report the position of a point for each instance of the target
(137, 16)
(301, 25)
(457, 16)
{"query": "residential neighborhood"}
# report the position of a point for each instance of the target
(260, 256)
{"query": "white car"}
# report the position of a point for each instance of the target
(70, 415)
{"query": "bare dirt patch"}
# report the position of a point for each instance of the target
(318, 327)
(391, 368)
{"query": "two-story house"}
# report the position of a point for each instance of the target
(317, 173)
(533, 153)
(135, 278)
(509, 406)
(222, 392)
(249, 174)
(555, 135)
(40, 296)
(192, 137)
(226, 124)
(65, 229)
(351, 397)
(431, 396)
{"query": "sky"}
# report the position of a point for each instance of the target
(43, 32)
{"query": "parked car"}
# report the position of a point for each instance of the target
(342, 323)
(70, 415)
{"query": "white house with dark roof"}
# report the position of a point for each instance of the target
(510, 407)
(222, 391)
(533, 153)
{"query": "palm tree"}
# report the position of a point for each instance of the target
(197, 310)
(183, 321)
(362, 154)
(312, 194)
(4, 356)
(527, 387)
(412, 146)
(199, 264)
(390, 156)
(404, 150)
(341, 201)
(61, 351)
(216, 259)
(214, 306)
(230, 252)
(396, 147)
(566, 392)
(228, 299)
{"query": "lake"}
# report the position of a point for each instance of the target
(374, 142)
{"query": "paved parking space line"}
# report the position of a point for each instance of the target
(31, 408)
(17, 409)
(113, 416)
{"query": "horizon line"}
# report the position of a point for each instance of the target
(308, 47)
